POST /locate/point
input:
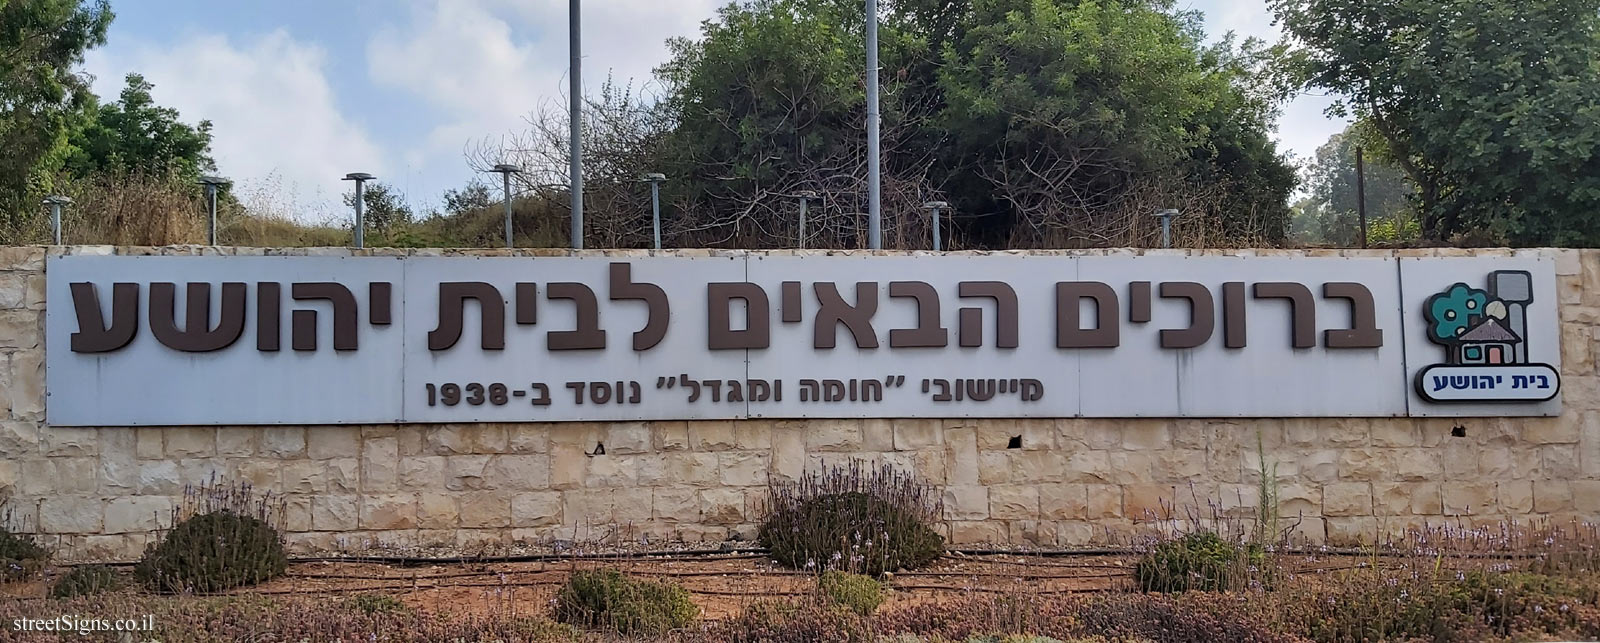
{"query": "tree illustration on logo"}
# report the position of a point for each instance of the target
(1456, 311)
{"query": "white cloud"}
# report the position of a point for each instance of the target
(275, 114)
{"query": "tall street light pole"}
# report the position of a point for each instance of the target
(505, 170)
(212, 184)
(576, 116)
(655, 180)
(361, 179)
(874, 189)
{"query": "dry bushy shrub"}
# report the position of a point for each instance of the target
(1200, 560)
(133, 210)
(805, 621)
(224, 536)
(857, 593)
(605, 598)
(87, 580)
(20, 556)
(855, 519)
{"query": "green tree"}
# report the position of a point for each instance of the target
(1492, 108)
(1331, 213)
(135, 135)
(383, 207)
(41, 42)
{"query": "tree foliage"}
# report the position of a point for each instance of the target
(1330, 214)
(134, 134)
(1492, 108)
(41, 41)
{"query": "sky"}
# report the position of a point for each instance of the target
(302, 92)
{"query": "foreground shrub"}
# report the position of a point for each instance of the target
(605, 598)
(86, 581)
(211, 553)
(1200, 561)
(852, 519)
(375, 603)
(792, 622)
(20, 556)
(857, 593)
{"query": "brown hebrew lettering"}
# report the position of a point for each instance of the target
(757, 332)
(832, 391)
(543, 399)
(1032, 390)
(871, 391)
(980, 390)
(453, 296)
(527, 303)
(1233, 317)
(587, 335)
(269, 302)
(760, 390)
(735, 391)
(379, 298)
(1364, 331)
(1202, 313)
(303, 334)
(1070, 332)
(1139, 302)
(624, 287)
(810, 391)
(857, 318)
(1005, 313)
(94, 335)
(685, 382)
(791, 302)
(197, 335)
(928, 333)
(1302, 309)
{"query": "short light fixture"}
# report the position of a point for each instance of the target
(1166, 217)
(56, 202)
(505, 170)
(360, 178)
(655, 179)
(212, 184)
(805, 196)
(936, 207)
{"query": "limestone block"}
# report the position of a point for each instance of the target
(671, 436)
(1469, 498)
(536, 509)
(1063, 501)
(487, 439)
(788, 452)
(1577, 357)
(1347, 499)
(326, 442)
(149, 443)
(343, 475)
(1074, 533)
(409, 439)
(1395, 433)
(465, 472)
(1189, 434)
(628, 438)
(1460, 460)
(1032, 532)
(1347, 432)
(877, 435)
(712, 435)
(1560, 430)
(330, 513)
(71, 515)
(1559, 462)
(961, 456)
(20, 329)
(1514, 496)
(1180, 465)
(1552, 496)
(588, 507)
(237, 441)
(634, 505)
(722, 506)
(283, 441)
(10, 471)
(422, 473)
(305, 476)
(1351, 531)
(1569, 290)
(1148, 501)
(1105, 501)
(380, 463)
(485, 509)
(22, 258)
(995, 467)
(1416, 465)
(389, 511)
(1297, 499)
(159, 477)
(1589, 445)
(139, 514)
(568, 466)
(25, 390)
(832, 435)
(912, 435)
(520, 472)
(929, 466)
(528, 438)
(676, 504)
(448, 439)
(1586, 497)
(1145, 435)
(977, 533)
(743, 468)
(675, 469)
(262, 474)
(966, 503)
(19, 439)
(612, 471)
(1089, 466)
(996, 434)
(1568, 261)
(190, 442)
(1136, 467)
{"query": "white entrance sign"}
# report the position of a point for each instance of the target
(137, 341)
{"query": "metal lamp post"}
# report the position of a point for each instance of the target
(212, 184)
(56, 202)
(936, 207)
(874, 154)
(1166, 226)
(505, 170)
(804, 197)
(361, 179)
(575, 116)
(655, 179)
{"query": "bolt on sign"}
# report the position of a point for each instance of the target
(330, 340)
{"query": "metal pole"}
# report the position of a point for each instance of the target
(655, 212)
(1361, 193)
(211, 206)
(55, 220)
(803, 222)
(576, 116)
(874, 195)
(506, 190)
(1166, 232)
(936, 229)
(361, 219)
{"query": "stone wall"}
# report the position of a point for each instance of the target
(99, 493)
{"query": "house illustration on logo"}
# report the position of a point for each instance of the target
(1484, 336)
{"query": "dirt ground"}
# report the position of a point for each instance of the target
(721, 585)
